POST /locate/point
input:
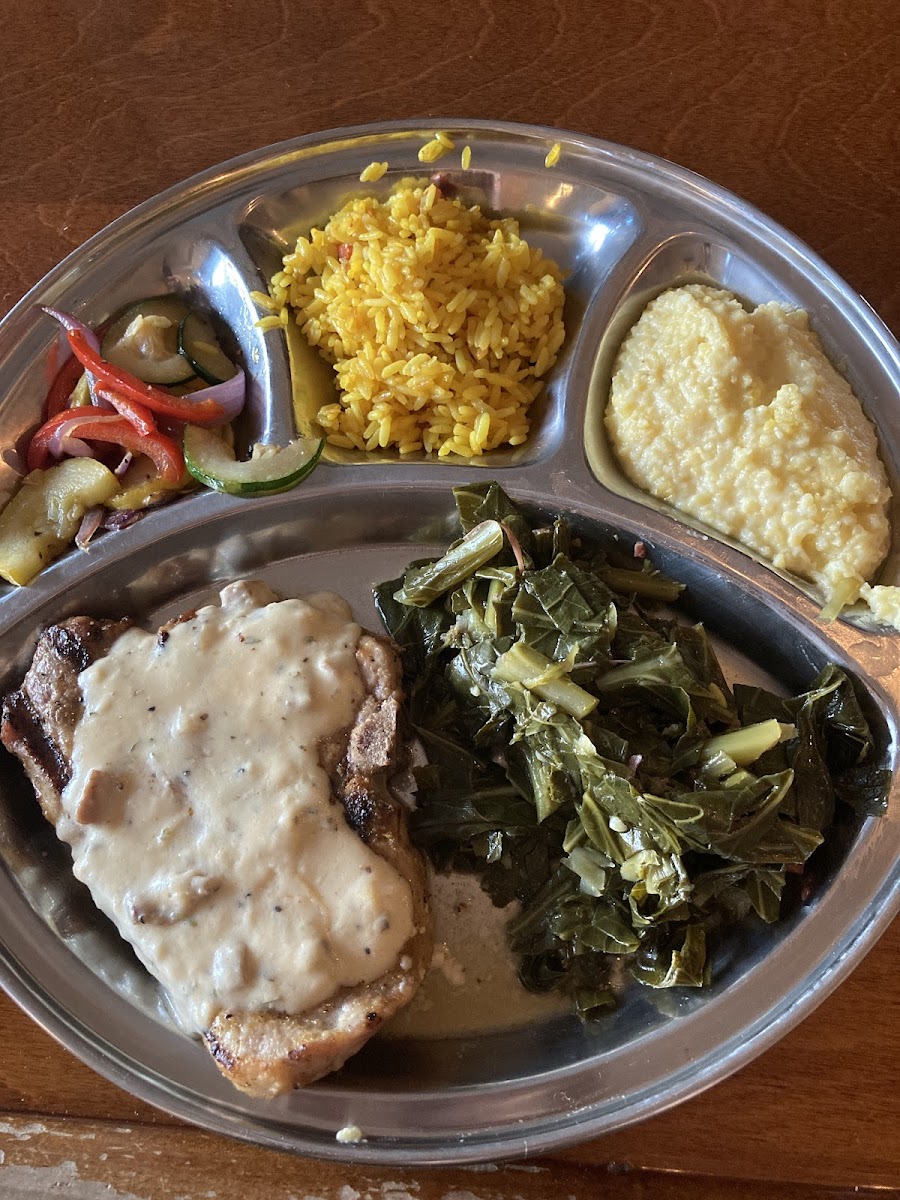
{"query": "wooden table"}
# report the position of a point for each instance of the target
(795, 108)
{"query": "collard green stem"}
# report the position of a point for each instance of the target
(423, 585)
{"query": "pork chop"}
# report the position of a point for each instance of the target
(263, 1051)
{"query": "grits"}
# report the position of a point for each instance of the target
(737, 418)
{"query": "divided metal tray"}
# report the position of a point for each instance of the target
(624, 225)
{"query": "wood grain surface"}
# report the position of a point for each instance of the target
(795, 108)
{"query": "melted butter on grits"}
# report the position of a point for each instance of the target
(738, 418)
(202, 822)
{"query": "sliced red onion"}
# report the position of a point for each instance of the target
(60, 353)
(91, 522)
(121, 518)
(70, 323)
(514, 545)
(231, 395)
(64, 441)
(71, 447)
(123, 466)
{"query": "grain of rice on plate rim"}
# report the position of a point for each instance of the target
(440, 323)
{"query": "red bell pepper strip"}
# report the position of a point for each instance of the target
(62, 386)
(138, 414)
(107, 427)
(202, 412)
(39, 456)
(165, 454)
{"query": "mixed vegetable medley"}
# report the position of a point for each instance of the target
(587, 756)
(138, 411)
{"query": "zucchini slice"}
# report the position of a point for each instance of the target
(198, 344)
(270, 469)
(41, 520)
(141, 485)
(144, 341)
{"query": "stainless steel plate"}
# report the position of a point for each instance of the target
(623, 225)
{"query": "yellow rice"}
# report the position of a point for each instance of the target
(440, 323)
(433, 150)
(373, 172)
(553, 155)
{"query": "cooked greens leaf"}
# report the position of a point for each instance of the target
(488, 502)
(663, 965)
(422, 585)
(587, 757)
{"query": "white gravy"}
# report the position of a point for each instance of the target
(473, 985)
(202, 822)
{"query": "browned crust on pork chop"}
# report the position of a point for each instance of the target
(38, 721)
(262, 1053)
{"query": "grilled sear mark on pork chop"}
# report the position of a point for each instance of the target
(262, 1051)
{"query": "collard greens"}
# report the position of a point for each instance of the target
(590, 760)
